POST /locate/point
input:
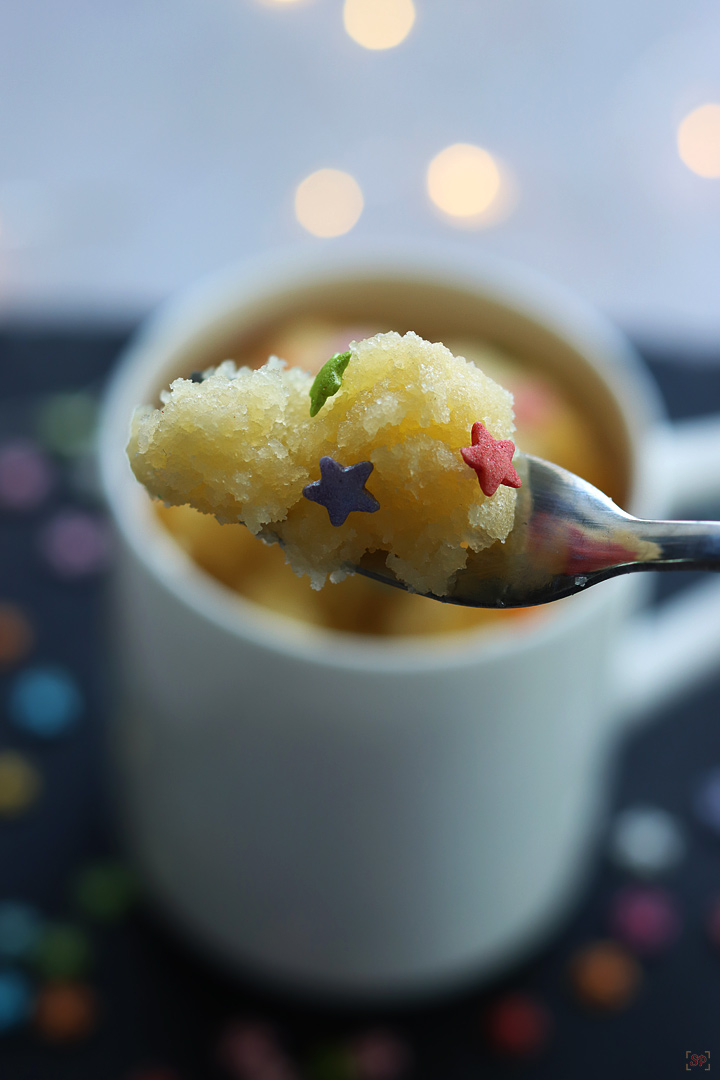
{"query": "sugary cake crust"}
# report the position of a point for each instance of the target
(242, 445)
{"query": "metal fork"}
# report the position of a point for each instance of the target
(567, 537)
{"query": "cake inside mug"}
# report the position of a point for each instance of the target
(374, 451)
(396, 445)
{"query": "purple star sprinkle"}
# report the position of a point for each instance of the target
(341, 489)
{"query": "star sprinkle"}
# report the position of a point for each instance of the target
(328, 381)
(341, 489)
(491, 459)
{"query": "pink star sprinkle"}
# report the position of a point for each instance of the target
(491, 459)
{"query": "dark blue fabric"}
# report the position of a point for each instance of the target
(162, 1005)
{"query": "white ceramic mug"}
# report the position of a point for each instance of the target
(368, 817)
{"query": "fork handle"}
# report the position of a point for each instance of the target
(677, 545)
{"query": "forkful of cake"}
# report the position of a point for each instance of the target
(395, 461)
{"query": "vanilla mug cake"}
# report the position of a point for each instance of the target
(393, 809)
(232, 436)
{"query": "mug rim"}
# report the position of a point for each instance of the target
(196, 309)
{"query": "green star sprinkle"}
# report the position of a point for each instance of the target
(328, 380)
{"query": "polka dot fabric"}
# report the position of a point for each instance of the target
(26, 476)
(118, 990)
(45, 700)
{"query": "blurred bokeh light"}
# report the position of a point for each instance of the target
(145, 147)
(699, 140)
(328, 203)
(378, 24)
(465, 182)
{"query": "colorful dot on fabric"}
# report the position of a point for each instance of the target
(45, 701)
(75, 544)
(153, 1074)
(63, 952)
(105, 891)
(65, 1012)
(646, 841)
(16, 997)
(26, 476)
(66, 423)
(20, 783)
(330, 1062)
(646, 919)
(250, 1050)
(275, 1069)
(518, 1026)
(379, 1055)
(605, 976)
(341, 489)
(713, 923)
(16, 635)
(20, 929)
(707, 800)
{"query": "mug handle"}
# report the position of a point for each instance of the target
(667, 649)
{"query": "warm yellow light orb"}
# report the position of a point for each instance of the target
(328, 202)
(698, 140)
(378, 24)
(463, 180)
